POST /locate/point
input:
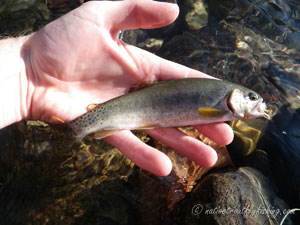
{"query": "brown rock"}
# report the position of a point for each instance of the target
(244, 196)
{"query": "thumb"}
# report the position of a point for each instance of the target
(134, 14)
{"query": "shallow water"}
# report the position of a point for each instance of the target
(254, 43)
(277, 19)
(278, 24)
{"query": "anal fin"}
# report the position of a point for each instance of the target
(147, 127)
(104, 133)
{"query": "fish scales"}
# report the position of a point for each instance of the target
(164, 104)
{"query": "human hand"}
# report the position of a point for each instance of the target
(78, 60)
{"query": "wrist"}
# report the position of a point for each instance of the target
(14, 85)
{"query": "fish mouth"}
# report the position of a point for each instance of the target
(261, 107)
(267, 114)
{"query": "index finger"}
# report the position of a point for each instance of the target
(134, 14)
(153, 67)
(170, 70)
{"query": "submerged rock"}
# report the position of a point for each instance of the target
(247, 135)
(26, 16)
(197, 16)
(232, 49)
(166, 192)
(43, 180)
(242, 196)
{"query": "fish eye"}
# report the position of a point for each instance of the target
(253, 96)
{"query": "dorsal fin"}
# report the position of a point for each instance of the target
(57, 119)
(91, 106)
(141, 85)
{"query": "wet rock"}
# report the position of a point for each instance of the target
(244, 196)
(273, 19)
(197, 15)
(46, 180)
(63, 6)
(258, 160)
(93, 183)
(151, 44)
(247, 135)
(234, 50)
(26, 16)
(166, 192)
(221, 8)
(134, 37)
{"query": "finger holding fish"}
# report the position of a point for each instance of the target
(192, 148)
(221, 133)
(171, 70)
(150, 67)
(143, 155)
(156, 162)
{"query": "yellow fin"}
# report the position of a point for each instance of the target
(104, 133)
(211, 112)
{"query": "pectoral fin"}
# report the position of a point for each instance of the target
(211, 112)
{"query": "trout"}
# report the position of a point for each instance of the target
(171, 103)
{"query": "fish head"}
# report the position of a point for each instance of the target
(247, 104)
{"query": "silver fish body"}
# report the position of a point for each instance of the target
(171, 103)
